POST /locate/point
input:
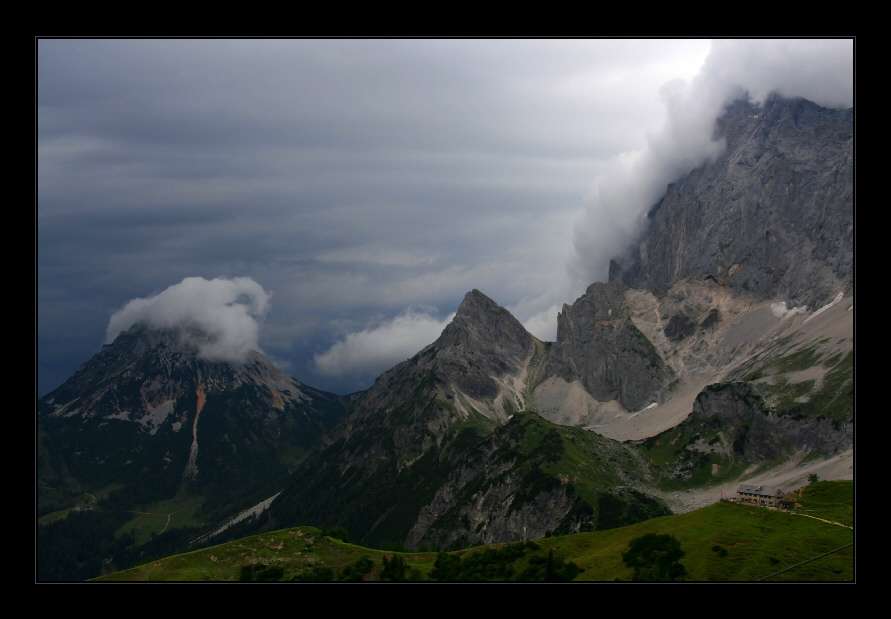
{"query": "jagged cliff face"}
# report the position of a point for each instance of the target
(730, 251)
(772, 218)
(472, 373)
(599, 345)
(530, 478)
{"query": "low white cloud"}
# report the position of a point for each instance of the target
(377, 349)
(821, 71)
(544, 324)
(218, 317)
(538, 315)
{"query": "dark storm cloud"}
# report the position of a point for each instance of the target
(367, 185)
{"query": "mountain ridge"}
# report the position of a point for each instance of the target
(667, 326)
(489, 434)
(771, 218)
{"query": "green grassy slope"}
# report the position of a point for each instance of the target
(722, 542)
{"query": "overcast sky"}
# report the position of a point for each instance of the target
(331, 202)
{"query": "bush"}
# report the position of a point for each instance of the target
(340, 533)
(316, 574)
(260, 573)
(549, 569)
(394, 569)
(358, 570)
(655, 558)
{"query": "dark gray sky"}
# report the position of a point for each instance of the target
(333, 201)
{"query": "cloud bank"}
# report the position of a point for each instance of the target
(358, 178)
(218, 317)
(377, 349)
(615, 210)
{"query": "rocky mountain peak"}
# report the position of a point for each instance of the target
(483, 341)
(771, 218)
(476, 300)
(600, 305)
(145, 370)
(146, 407)
(483, 325)
(470, 366)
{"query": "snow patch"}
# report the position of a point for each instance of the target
(837, 298)
(254, 511)
(122, 415)
(653, 405)
(156, 416)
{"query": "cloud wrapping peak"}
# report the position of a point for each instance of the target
(219, 317)
(615, 210)
(821, 71)
(376, 349)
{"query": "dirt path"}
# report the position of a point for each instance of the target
(826, 521)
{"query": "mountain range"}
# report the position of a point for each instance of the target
(722, 344)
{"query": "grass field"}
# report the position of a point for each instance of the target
(829, 500)
(82, 501)
(722, 542)
(154, 518)
(757, 541)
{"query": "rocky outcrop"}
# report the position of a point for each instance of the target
(751, 433)
(503, 491)
(772, 217)
(482, 343)
(599, 345)
(489, 498)
(409, 428)
(462, 373)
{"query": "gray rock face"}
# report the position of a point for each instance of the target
(598, 344)
(753, 434)
(482, 343)
(502, 492)
(484, 340)
(489, 513)
(146, 369)
(773, 217)
(401, 431)
(480, 502)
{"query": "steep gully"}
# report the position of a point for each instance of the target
(192, 466)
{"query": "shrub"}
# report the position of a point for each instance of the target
(655, 558)
(357, 571)
(394, 569)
